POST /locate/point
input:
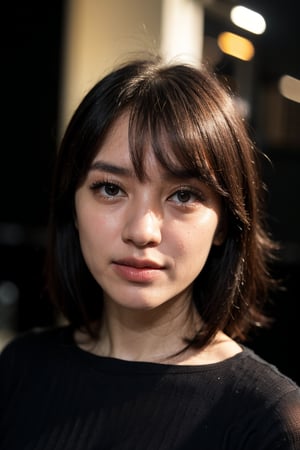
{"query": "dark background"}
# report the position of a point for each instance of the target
(31, 38)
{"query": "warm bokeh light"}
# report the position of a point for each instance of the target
(248, 20)
(236, 46)
(289, 87)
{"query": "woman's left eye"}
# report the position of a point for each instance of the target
(186, 196)
(107, 189)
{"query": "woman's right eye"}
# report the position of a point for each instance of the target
(107, 189)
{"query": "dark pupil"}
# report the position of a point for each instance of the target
(183, 196)
(111, 189)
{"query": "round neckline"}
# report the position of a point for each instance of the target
(113, 364)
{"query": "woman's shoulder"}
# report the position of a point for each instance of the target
(269, 395)
(261, 379)
(261, 366)
(34, 341)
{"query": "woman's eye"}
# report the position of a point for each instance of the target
(111, 189)
(186, 196)
(107, 189)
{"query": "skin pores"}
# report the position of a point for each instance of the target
(144, 242)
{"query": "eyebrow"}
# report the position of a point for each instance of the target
(178, 173)
(111, 168)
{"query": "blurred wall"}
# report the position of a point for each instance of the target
(100, 34)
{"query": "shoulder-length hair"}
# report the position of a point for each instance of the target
(197, 115)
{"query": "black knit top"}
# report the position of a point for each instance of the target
(55, 396)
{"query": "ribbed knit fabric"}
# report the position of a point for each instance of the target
(54, 396)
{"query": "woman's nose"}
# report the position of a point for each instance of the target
(142, 227)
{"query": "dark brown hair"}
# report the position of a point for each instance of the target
(194, 112)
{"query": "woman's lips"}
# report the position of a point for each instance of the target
(139, 271)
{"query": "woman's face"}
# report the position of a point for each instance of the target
(144, 242)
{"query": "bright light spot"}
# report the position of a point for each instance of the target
(289, 87)
(236, 46)
(248, 20)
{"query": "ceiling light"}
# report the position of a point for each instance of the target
(236, 46)
(289, 87)
(248, 19)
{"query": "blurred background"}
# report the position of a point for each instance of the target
(53, 52)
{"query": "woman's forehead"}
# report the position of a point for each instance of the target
(142, 145)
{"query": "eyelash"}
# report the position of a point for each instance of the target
(97, 185)
(192, 192)
(199, 197)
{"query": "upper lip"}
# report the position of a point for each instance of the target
(139, 263)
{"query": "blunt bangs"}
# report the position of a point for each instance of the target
(174, 110)
(182, 113)
(177, 146)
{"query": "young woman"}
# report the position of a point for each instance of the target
(158, 259)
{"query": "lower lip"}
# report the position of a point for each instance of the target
(137, 274)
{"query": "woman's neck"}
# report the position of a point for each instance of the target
(157, 335)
